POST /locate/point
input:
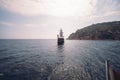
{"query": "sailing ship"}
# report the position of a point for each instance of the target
(60, 38)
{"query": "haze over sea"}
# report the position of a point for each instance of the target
(39, 59)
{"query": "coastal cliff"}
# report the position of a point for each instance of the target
(99, 31)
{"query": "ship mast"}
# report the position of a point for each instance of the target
(60, 39)
(61, 33)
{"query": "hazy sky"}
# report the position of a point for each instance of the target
(43, 18)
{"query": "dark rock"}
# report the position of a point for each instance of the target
(100, 31)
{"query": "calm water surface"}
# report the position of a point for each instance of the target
(44, 60)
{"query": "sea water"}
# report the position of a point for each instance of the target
(43, 59)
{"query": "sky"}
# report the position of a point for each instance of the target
(42, 19)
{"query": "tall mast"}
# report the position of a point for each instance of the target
(61, 33)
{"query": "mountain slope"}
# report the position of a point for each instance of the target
(100, 31)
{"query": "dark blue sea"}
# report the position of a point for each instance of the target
(43, 59)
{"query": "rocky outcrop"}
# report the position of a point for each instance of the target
(100, 31)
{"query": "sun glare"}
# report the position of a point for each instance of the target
(69, 7)
(50, 7)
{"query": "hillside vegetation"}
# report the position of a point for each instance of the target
(100, 31)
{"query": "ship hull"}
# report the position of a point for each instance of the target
(60, 41)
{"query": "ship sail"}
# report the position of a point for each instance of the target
(61, 33)
(60, 37)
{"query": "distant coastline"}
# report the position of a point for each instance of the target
(99, 31)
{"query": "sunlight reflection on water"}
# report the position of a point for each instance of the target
(45, 60)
